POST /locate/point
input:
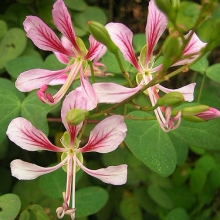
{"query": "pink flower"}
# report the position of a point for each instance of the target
(122, 37)
(69, 50)
(104, 138)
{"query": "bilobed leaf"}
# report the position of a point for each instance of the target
(150, 144)
(10, 205)
(35, 111)
(16, 66)
(203, 134)
(213, 72)
(9, 109)
(77, 5)
(177, 213)
(90, 200)
(12, 45)
(3, 28)
(52, 63)
(201, 65)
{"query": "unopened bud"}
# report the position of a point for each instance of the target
(200, 113)
(76, 116)
(171, 99)
(171, 50)
(100, 33)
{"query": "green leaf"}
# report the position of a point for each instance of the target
(90, 13)
(77, 5)
(201, 65)
(139, 41)
(150, 144)
(159, 196)
(204, 134)
(25, 215)
(9, 109)
(52, 63)
(130, 209)
(90, 200)
(187, 14)
(213, 72)
(12, 45)
(206, 163)
(16, 66)
(54, 184)
(197, 180)
(35, 111)
(10, 205)
(3, 28)
(177, 214)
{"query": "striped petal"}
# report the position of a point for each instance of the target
(156, 25)
(36, 78)
(116, 175)
(63, 22)
(122, 37)
(25, 135)
(27, 171)
(187, 91)
(42, 36)
(113, 93)
(106, 136)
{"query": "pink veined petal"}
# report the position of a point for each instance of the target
(187, 91)
(42, 36)
(60, 80)
(96, 49)
(74, 99)
(61, 57)
(25, 135)
(27, 171)
(113, 93)
(36, 78)
(106, 136)
(63, 22)
(122, 37)
(88, 93)
(156, 25)
(192, 48)
(116, 175)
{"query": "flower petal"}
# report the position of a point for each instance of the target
(61, 57)
(156, 25)
(106, 136)
(96, 49)
(25, 135)
(122, 37)
(116, 175)
(36, 78)
(193, 48)
(27, 171)
(113, 93)
(74, 99)
(63, 22)
(88, 93)
(42, 36)
(187, 91)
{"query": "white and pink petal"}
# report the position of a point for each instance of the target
(106, 136)
(27, 171)
(113, 93)
(25, 135)
(116, 175)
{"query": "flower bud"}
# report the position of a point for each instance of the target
(200, 113)
(171, 99)
(171, 50)
(76, 116)
(166, 7)
(100, 33)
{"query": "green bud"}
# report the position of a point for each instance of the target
(76, 116)
(190, 113)
(100, 33)
(166, 7)
(171, 50)
(171, 99)
(176, 4)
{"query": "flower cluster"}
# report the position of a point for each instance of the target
(110, 132)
